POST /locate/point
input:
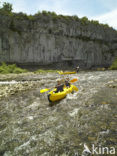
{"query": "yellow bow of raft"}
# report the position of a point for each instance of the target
(69, 72)
(52, 96)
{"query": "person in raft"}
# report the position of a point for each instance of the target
(77, 69)
(67, 83)
(59, 86)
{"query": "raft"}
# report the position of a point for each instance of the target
(52, 96)
(69, 72)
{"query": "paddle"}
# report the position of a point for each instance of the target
(47, 89)
(44, 90)
(73, 80)
(60, 72)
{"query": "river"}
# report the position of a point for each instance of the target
(30, 126)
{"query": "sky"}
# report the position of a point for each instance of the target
(105, 11)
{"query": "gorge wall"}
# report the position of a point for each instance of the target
(46, 40)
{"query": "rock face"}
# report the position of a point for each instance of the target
(44, 41)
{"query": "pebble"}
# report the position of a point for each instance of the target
(13, 88)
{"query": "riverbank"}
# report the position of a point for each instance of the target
(11, 84)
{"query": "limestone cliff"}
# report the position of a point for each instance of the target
(46, 40)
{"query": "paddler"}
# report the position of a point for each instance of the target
(77, 69)
(67, 83)
(59, 86)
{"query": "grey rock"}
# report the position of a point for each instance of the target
(44, 41)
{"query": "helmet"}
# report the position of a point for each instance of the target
(58, 80)
(67, 78)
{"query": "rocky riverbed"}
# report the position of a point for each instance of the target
(29, 125)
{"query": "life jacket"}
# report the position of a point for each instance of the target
(59, 88)
(67, 84)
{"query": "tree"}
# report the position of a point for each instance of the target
(7, 7)
(84, 20)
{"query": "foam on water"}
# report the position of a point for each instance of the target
(9, 82)
(72, 96)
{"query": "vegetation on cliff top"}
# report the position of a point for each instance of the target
(6, 9)
(6, 69)
(114, 65)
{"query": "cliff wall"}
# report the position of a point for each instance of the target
(46, 40)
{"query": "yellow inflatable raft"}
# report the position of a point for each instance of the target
(69, 72)
(52, 96)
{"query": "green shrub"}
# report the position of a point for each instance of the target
(19, 70)
(114, 65)
(31, 17)
(75, 17)
(21, 16)
(37, 14)
(53, 13)
(11, 68)
(84, 20)
(44, 12)
(5, 69)
(105, 25)
(95, 22)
